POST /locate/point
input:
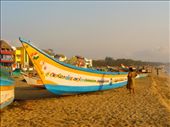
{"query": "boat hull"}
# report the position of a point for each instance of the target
(63, 90)
(6, 92)
(142, 75)
(34, 82)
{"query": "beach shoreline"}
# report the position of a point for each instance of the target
(148, 107)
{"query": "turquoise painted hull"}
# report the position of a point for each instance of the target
(16, 72)
(6, 82)
(62, 90)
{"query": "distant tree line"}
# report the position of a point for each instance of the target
(109, 61)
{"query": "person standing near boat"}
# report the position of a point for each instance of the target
(131, 80)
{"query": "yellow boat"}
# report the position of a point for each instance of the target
(61, 78)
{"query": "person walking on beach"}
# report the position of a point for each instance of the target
(131, 80)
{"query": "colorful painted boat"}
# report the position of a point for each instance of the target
(6, 87)
(6, 83)
(6, 90)
(16, 72)
(61, 78)
(35, 82)
(124, 68)
(142, 75)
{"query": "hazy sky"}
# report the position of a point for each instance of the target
(136, 30)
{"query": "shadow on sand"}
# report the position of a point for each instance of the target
(25, 92)
(30, 93)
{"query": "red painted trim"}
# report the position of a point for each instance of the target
(6, 61)
(6, 52)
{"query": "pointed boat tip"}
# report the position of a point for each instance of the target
(23, 40)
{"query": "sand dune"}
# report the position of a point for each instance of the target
(149, 107)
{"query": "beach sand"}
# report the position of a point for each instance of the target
(148, 107)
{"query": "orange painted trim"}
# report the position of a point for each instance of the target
(5, 88)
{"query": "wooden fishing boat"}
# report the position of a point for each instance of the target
(6, 83)
(124, 68)
(16, 72)
(61, 78)
(142, 75)
(7, 92)
(33, 81)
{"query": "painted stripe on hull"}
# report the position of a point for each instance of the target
(5, 82)
(60, 89)
(5, 88)
(6, 103)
